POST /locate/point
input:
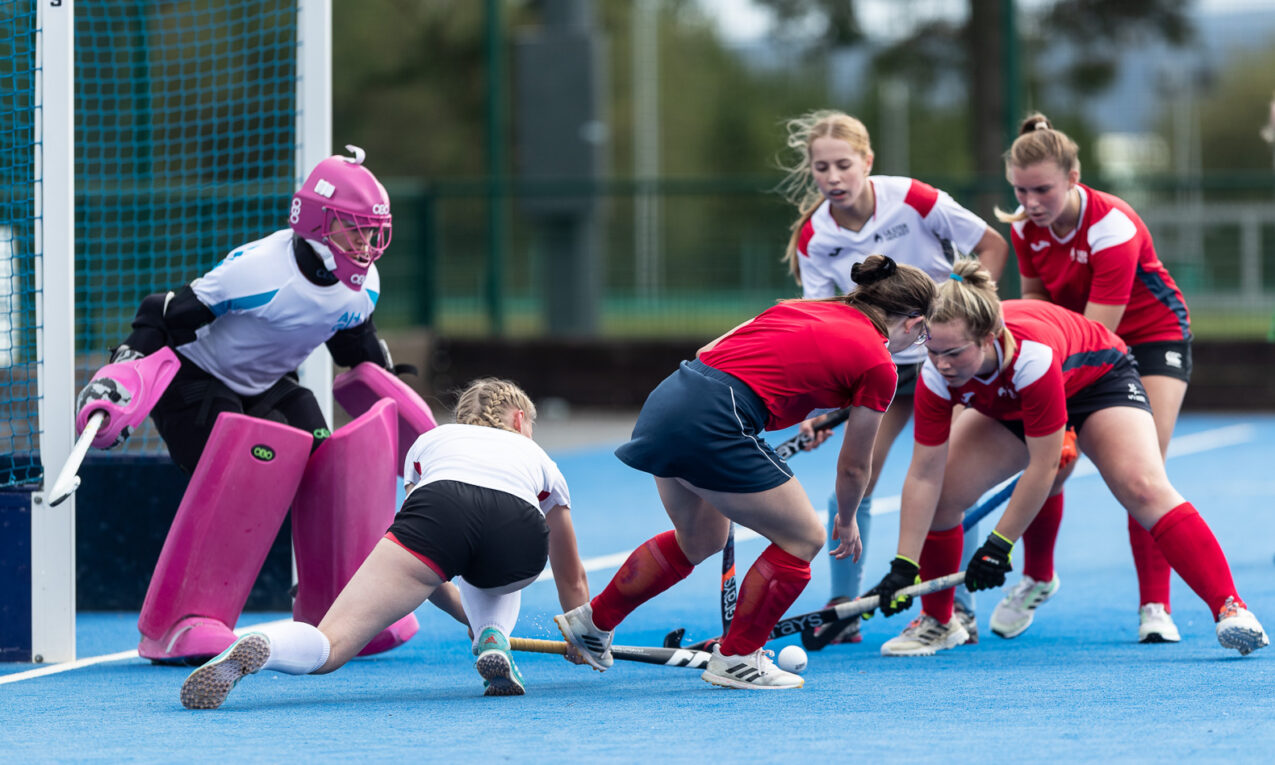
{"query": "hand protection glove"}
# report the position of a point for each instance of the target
(990, 564)
(903, 573)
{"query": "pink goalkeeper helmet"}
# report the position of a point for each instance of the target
(344, 211)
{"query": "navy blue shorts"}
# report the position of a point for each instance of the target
(704, 426)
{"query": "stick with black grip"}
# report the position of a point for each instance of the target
(669, 657)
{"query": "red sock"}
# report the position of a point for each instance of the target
(1192, 550)
(651, 569)
(1039, 539)
(1153, 570)
(768, 589)
(941, 556)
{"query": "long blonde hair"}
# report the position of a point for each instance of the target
(486, 401)
(1038, 141)
(798, 185)
(972, 299)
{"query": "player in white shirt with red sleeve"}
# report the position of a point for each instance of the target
(1088, 251)
(1026, 370)
(484, 503)
(847, 214)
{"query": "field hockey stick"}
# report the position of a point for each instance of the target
(669, 657)
(979, 512)
(730, 585)
(68, 480)
(795, 624)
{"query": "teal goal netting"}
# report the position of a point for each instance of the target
(185, 147)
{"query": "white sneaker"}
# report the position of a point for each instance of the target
(1237, 628)
(925, 636)
(1155, 625)
(208, 686)
(1014, 614)
(578, 628)
(755, 671)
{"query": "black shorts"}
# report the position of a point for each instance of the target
(1171, 358)
(1120, 386)
(908, 374)
(490, 537)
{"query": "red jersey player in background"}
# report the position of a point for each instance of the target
(700, 434)
(1026, 371)
(845, 215)
(1088, 251)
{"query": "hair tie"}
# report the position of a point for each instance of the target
(889, 266)
(1041, 125)
(955, 276)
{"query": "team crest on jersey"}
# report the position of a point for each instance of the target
(891, 233)
(1079, 256)
(347, 320)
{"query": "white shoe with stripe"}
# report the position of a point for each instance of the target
(756, 671)
(579, 630)
(926, 636)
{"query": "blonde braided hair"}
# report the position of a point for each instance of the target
(486, 401)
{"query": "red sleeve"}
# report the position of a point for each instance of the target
(922, 197)
(1045, 403)
(876, 387)
(933, 416)
(803, 239)
(1022, 254)
(1113, 273)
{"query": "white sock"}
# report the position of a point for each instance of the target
(496, 607)
(296, 648)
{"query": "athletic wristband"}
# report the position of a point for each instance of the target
(1000, 542)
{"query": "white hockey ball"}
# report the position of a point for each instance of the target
(792, 659)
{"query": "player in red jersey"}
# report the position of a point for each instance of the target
(1026, 371)
(699, 434)
(845, 215)
(1089, 251)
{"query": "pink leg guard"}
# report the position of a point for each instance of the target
(221, 535)
(359, 388)
(343, 508)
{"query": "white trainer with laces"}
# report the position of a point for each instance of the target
(579, 630)
(1155, 625)
(756, 671)
(1237, 628)
(926, 636)
(1015, 612)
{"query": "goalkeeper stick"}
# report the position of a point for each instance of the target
(669, 657)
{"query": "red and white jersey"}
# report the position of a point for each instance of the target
(913, 223)
(806, 358)
(1108, 259)
(488, 457)
(1059, 353)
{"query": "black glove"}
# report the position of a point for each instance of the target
(903, 573)
(990, 564)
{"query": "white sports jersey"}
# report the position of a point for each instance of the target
(488, 457)
(914, 223)
(269, 316)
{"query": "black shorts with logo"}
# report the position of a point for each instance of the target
(1171, 358)
(490, 537)
(1120, 386)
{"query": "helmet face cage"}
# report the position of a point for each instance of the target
(359, 237)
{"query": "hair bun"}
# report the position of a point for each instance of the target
(873, 269)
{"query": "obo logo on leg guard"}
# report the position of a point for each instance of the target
(263, 452)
